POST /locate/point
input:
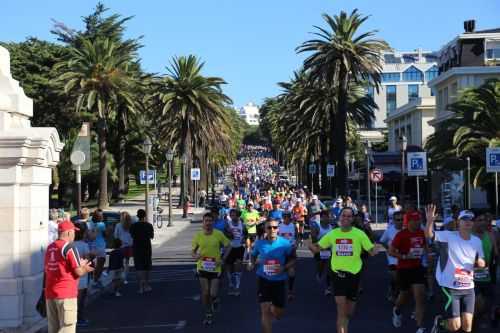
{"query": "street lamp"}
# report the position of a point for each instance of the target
(170, 157)
(146, 149)
(403, 141)
(368, 189)
(468, 183)
(183, 190)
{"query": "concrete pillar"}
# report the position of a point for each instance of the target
(27, 156)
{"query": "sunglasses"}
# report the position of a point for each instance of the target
(274, 227)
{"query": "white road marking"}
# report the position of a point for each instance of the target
(177, 326)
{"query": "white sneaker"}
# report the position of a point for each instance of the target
(397, 320)
(328, 292)
(421, 330)
(117, 294)
(125, 281)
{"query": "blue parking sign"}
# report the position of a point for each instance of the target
(417, 164)
(492, 159)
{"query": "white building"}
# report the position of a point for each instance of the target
(404, 79)
(412, 121)
(465, 62)
(250, 113)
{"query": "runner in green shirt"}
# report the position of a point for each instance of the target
(346, 244)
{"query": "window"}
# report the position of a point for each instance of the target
(433, 92)
(410, 58)
(391, 59)
(431, 73)
(391, 77)
(412, 92)
(390, 97)
(412, 74)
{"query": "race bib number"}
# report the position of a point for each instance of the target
(463, 278)
(208, 264)
(416, 252)
(287, 235)
(343, 247)
(272, 267)
(481, 274)
(325, 254)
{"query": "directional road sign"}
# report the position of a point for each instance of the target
(330, 170)
(312, 169)
(376, 175)
(417, 164)
(195, 174)
(151, 177)
(492, 159)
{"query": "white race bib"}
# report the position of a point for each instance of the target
(272, 267)
(416, 252)
(462, 278)
(343, 248)
(208, 264)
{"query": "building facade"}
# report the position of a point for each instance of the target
(250, 113)
(467, 61)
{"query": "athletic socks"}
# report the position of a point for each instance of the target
(230, 279)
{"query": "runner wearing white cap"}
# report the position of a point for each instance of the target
(392, 208)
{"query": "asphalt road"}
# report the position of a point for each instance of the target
(174, 304)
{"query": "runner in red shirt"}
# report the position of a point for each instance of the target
(63, 267)
(409, 246)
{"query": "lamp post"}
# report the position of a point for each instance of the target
(403, 145)
(468, 183)
(146, 149)
(170, 157)
(368, 189)
(184, 184)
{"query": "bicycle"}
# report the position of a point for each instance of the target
(157, 218)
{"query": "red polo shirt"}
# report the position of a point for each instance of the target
(61, 260)
(412, 244)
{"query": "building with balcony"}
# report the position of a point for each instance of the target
(467, 61)
(250, 113)
(404, 79)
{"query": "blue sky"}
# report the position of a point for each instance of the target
(249, 43)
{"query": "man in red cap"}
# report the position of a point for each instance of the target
(63, 267)
(409, 246)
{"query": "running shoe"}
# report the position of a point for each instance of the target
(215, 305)
(118, 294)
(208, 319)
(397, 319)
(436, 328)
(421, 330)
(328, 291)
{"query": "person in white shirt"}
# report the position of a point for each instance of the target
(386, 240)
(392, 208)
(122, 232)
(53, 224)
(460, 253)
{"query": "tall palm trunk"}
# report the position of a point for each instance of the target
(103, 168)
(122, 166)
(340, 133)
(323, 162)
(331, 151)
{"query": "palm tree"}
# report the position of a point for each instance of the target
(193, 110)
(96, 75)
(474, 127)
(342, 55)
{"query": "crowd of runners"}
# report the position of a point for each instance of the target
(261, 220)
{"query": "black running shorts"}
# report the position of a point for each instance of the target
(346, 284)
(271, 291)
(236, 253)
(407, 277)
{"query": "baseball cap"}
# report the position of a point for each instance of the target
(466, 215)
(393, 198)
(413, 216)
(66, 225)
(314, 197)
(339, 200)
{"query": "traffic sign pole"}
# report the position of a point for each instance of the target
(376, 203)
(496, 194)
(418, 192)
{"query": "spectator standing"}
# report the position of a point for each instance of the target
(52, 226)
(84, 252)
(98, 245)
(122, 232)
(142, 233)
(63, 267)
(115, 268)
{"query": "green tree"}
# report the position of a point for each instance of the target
(341, 55)
(96, 75)
(475, 126)
(193, 110)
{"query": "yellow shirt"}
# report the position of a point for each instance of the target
(209, 250)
